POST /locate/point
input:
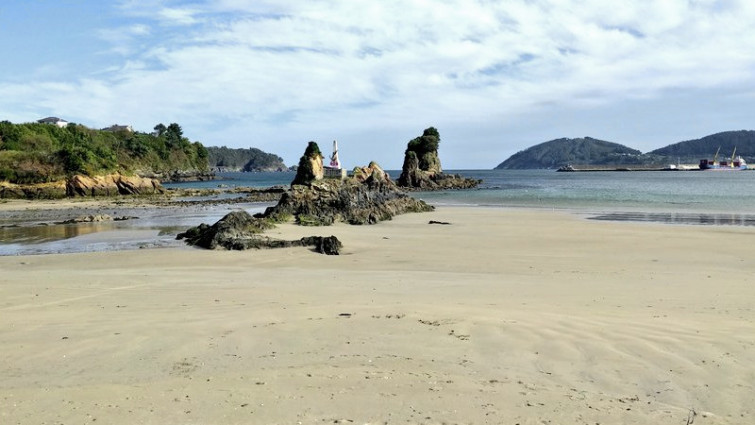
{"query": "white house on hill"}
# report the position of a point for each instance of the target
(115, 127)
(53, 120)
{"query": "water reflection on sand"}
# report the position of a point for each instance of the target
(41, 231)
(50, 232)
(718, 219)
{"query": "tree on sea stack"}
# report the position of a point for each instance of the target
(425, 148)
(310, 165)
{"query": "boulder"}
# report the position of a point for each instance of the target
(239, 231)
(328, 245)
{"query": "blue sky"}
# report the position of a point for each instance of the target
(494, 77)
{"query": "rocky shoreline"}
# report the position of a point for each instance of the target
(368, 196)
(314, 198)
(81, 186)
(114, 184)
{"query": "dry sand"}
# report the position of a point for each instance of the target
(504, 316)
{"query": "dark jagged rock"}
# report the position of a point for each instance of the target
(239, 231)
(367, 197)
(328, 245)
(177, 176)
(245, 194)
(236, 229)
(422, 169)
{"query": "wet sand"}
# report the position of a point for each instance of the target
(504, 316)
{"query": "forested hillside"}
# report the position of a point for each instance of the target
(589, 151)
(693, 150)
(559, 152)
(251, 159)
(38, 153)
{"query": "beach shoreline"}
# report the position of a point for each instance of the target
(503, 316)
(38, 227)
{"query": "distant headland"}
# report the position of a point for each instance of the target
(590, 153)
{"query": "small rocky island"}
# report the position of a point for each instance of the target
(422, 169)
(367, 196)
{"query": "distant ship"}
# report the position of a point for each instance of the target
(735, 164)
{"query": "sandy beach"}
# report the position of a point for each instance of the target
(505, 316)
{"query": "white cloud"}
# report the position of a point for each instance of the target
(178, 16)
(280, 73)
(122, 38)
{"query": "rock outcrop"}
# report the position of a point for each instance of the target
(367, 197)
(111, 185)
(422, 169)
(80, 185)
(177, 176)
(92, 218)
(95, 218)
(52, 190)
(239, 231)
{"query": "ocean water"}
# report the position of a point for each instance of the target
(673, 197)
(647, 191)
(708, 192)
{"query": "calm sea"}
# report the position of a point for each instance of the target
(675, 197)
(701, 192)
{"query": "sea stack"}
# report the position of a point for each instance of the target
(310, 166)
(422, 169)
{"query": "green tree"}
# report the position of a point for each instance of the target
(173, 135)
(426, 148)
(428, 142)
(160, 129)
(201, 151)
(10, 136)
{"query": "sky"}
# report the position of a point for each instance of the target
(493, 76)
